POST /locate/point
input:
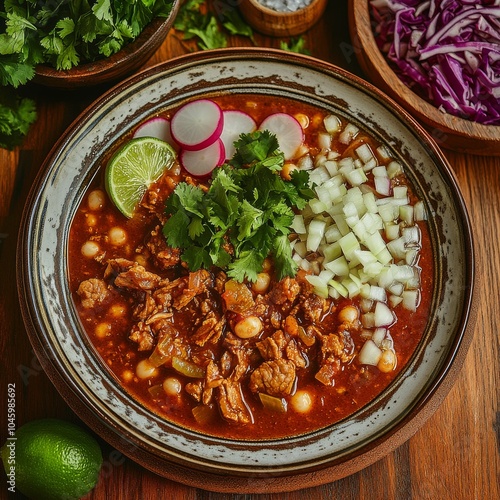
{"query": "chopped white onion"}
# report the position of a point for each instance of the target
(364, 152)
(383, 315)
(369, 353)
(359, 235)
(348, 134)
(332, 124)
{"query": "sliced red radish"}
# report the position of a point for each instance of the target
(287, 130)
(197, 124)
(203, 161)
(157, 127)
(235, 123)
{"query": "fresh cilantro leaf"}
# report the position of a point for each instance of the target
(175, 230)
(65, 33)
(210, 25)
(67, 58)
(188, 197)
(258, 146)
(295, 45)
(244, 216)
(102, 10)
(248, 266)
(209, 34)
(15, 73)
(231, 20)
(65, 27)
(282, 255)
(16, 116)
(196, 258)
(249, 220)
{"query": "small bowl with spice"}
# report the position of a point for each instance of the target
(282, 17)
(438, 64)
(107, 59)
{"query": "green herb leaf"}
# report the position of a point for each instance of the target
(295, 45)
(210, 35)
(64, 34)
(210, 26)
(243, 217)
(16, 116)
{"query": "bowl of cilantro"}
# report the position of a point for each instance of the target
(74, 44)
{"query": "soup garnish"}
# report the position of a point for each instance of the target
(276, 296)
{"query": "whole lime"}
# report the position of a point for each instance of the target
(53, 459)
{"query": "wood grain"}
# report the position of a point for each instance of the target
(455, 455)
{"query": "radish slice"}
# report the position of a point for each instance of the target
(235, 123)
(155, 127)
(287, 130)
(197, 124)
(203, 161)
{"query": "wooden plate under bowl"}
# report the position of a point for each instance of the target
(448, 131)
(274, 23)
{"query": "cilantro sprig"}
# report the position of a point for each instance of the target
(16, 115)
(211, 23)
(64, 34)
(244, 216)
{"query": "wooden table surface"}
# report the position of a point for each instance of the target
(455, 455)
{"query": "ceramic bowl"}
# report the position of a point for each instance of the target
(190, 457)
(448, 131)
(111, 69)
(276, 23)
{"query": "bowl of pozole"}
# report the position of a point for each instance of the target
(248, 271)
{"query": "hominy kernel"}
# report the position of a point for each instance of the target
(96, 199)
(127, 375)
(286, 171)
(266, 265)
(102, 330)
(301, 401)
(302, 119)
(145, 369)
(317, 119)
(90, 249)
(172, 386)
(262, 283)
(248, 327)
(388, 361)
(117, 310)
(348, 314)
(117, 236)
(91, 220)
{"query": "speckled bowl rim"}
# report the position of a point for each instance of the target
(203, 461)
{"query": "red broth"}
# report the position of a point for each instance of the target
(195, 402)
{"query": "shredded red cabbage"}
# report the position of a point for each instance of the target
(446, 51)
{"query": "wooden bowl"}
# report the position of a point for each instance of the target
(448, 131)
(274, 23)
(113, 68)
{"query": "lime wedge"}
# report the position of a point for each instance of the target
(133, 168)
